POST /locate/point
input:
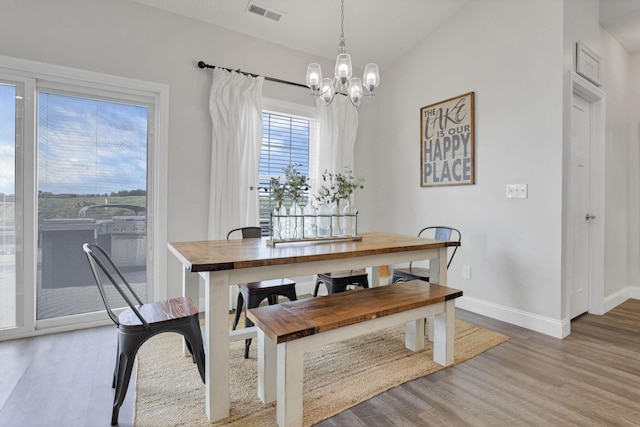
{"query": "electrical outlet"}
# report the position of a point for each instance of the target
(466, 272)
(517, 191)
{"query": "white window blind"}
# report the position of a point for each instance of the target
(287, 139)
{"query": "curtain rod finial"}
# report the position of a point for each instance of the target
(201, 64)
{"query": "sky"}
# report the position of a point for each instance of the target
(7, 139)
(85, 146)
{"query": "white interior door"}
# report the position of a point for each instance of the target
(579, 215)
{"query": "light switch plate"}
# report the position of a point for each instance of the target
(517, 191)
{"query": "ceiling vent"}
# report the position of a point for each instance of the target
(263, 11)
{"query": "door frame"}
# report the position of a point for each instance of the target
(596, 99)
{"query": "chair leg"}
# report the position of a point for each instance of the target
(193, 337)
(248, 323)
(125, 367)
(115, 369)
(239, 305)
(315, 291)
(273, 299)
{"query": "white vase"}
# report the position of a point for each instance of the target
(309, 219)
(349, 221)
(295, 222)
(336, 219)
(279, 223)
(324, 220)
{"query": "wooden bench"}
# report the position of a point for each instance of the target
(286, 330)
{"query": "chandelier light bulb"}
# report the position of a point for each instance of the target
(314, 76)
(327, 92)
(371, 77)
(343, 68)
(355, 91)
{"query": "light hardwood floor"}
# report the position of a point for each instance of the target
(591, 378)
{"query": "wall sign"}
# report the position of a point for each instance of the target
(447, 142)
(587, 63)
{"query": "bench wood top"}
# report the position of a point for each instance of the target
(296, 319)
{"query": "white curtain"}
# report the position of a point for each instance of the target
(236, 111)
(338, 130)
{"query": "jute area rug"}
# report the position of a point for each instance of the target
(169, 391)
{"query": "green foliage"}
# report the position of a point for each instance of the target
(339, 186)
(278, 190)
(297, 184)
(294, 187)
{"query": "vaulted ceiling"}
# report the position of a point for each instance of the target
(375, 30)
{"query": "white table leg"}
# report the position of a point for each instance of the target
(444, 329)
(267, 365)
(438, 275)
(217, 344)
(414, 335)
(373, 276)
(290, 377)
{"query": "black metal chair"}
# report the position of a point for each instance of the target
(141, 321)
(339, 281)
(442, 233)
(254, 293)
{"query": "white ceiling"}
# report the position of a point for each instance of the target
(622, 19)
(378, 31)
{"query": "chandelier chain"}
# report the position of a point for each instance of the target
(342, 23)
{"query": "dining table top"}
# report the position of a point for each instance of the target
(217, 255)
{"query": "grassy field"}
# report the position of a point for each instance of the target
(70, 206)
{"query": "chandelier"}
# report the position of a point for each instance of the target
(343, 82)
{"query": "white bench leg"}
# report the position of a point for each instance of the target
(444, 330)
(290, 376)
(267, 363)
(414, 335)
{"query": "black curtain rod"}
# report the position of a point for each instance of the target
(202, 64)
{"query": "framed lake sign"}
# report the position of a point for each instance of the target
(447, 140)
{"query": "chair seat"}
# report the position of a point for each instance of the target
(271, 285)
(252, 294)
(338, 281)
(413, 273)
(343, 274)
(175, 308)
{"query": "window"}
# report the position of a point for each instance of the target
(287, 139)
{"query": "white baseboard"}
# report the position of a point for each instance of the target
(544, 325)
(534, 322)
(617, 298)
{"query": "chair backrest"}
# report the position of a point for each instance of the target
(445, 234)
(103, 267)
(247, 232)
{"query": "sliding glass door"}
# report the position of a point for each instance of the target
(92, 188)
(7, 205)
(82, 159)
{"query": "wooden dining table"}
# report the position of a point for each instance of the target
(222, 263)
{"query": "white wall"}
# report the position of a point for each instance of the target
(510, 54)
(615, 83)
(123, 38)
(634, 173)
